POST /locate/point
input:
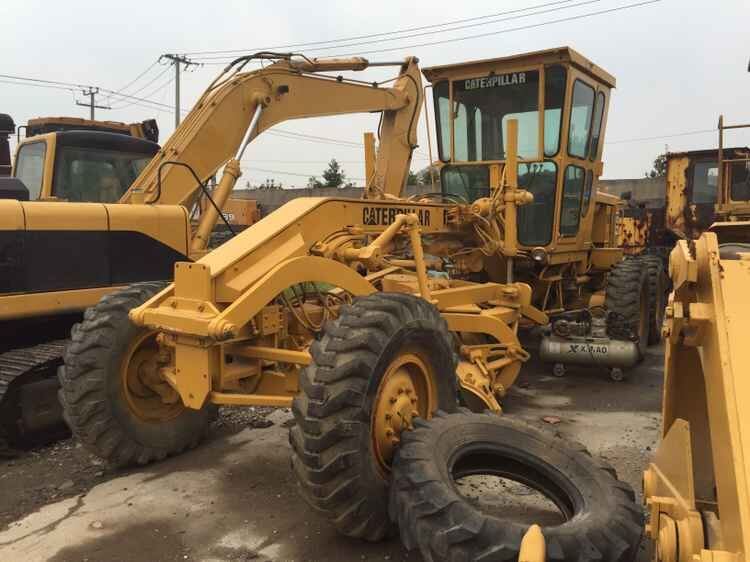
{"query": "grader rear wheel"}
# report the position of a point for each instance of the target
(388, 358)
(628, 293)
(113, 398)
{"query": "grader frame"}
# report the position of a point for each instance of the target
(223, 330)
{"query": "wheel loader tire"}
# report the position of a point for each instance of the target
(602, 521)
(627, 293)
(336, 453)
(658, 283)
(96, 399)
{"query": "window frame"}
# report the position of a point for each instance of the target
(438, 120)
(570, 119)
(25, 145)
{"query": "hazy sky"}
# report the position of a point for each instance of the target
(678, 63)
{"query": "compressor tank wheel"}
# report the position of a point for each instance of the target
(113, 398)
(387, 359)
(596, 517)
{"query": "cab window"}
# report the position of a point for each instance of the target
(596, 128)
(705, 182)
(30, 167)
(481, 109)
(554, 99)
(535, 219)
(570, 210)
(94, 175)
(740, 188)
(466, 183)
(443, 119)
(587, 189)
(581, 111)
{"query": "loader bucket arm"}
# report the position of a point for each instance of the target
(216, 129)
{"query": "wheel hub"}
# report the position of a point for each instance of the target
(406, 391)
(148, 395)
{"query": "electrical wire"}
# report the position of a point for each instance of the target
(502, 31)
(372, 35)
(486, 20)
(141, 75)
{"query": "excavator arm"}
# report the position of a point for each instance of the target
(238, 106)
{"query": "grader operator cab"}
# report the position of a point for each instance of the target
(701, 187)
(368, 316)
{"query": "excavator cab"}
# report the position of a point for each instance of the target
(559, 100)
(81, 166)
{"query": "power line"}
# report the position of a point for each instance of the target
(141, 75)
(49, 86)
(642, 139)
(502, 31)
(146, 85)
(484, 21)
(155, 91)
(267, 171)
(381, 34)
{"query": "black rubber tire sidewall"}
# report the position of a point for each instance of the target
(434, 517)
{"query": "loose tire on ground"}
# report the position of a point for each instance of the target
(335, 454)
(658, 284)
(603, 522)
(627, 293)
(98, 402)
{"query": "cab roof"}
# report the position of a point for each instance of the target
(564, 55)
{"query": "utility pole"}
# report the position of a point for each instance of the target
(91, 93)
(176, 61)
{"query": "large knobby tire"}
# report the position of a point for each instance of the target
(627, 293)
(337, 455)
(99, 403)
(658, 286)
(603, 522)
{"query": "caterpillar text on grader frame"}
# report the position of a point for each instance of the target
(363, 314)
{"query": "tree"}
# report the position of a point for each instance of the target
(334, 175)
(660, 167)
(413, 179)
(270, 185)
(313, 182)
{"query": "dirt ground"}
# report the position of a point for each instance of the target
(234, 498)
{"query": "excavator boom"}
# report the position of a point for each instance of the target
(217, 128)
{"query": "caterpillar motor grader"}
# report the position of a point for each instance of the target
(361, 315)
(697, 487)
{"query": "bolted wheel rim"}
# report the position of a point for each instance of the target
(407, 390)
(149, 397)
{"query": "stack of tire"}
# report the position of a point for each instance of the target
(333, 455)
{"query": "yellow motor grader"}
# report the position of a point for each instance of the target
(697, 487)
(365, 315)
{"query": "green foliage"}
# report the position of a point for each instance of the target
(659, 168)
(334, 175)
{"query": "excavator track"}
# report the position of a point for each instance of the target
(29, 409)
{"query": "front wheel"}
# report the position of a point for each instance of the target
(387, 359)
(113, 398)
